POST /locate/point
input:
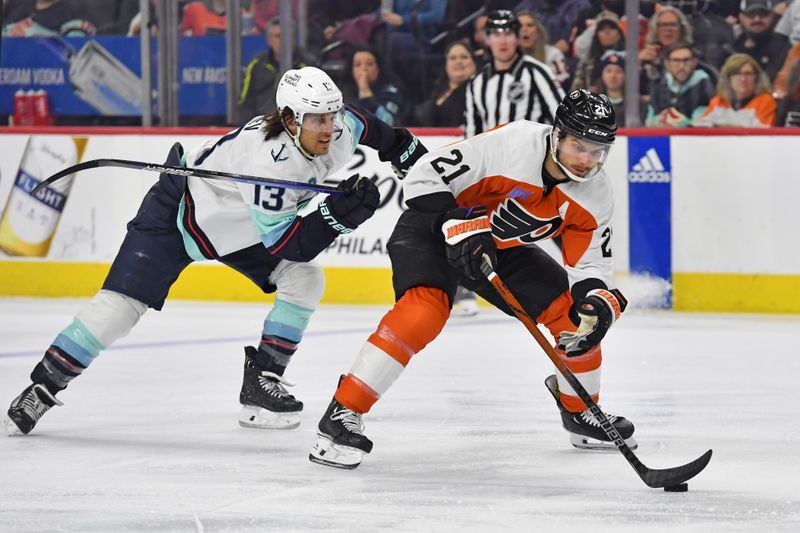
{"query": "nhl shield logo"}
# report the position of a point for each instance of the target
(516, 91)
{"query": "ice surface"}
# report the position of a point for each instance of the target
(467, 440)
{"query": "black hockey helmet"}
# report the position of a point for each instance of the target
(503, 20)
(587, 115)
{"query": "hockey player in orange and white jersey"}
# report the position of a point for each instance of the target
(497, 194)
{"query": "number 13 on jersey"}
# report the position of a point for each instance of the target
(270, 198)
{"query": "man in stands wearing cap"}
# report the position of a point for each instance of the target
(758, 39)
(684, 91)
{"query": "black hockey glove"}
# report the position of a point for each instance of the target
(468, 235)
(345, 212)
(596, 312)
(406, 152)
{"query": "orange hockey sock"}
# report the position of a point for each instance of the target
(414, 321)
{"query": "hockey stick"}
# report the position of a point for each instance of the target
(182, 171)
(668, 477)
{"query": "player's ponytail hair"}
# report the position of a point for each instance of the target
(273, 122)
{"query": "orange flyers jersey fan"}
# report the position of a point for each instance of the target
(502, 170)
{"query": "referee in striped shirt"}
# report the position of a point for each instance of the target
(512, 86)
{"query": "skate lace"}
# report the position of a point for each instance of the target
(590, 419)
(274, 385)
(33, 405)
(350, 420)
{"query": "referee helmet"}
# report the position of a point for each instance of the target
(501, 20)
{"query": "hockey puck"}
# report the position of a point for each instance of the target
(682, 487)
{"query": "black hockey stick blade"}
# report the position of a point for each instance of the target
(652, 478)
(183, 171)
(669, 477)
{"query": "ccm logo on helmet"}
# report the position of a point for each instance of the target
(597, 132)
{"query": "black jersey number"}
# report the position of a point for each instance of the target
(606, 245)
(273, 197)
(441, 164)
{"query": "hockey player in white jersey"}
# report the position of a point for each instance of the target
(498, 194)
(254, 229)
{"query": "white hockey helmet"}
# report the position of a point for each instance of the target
(308, 90)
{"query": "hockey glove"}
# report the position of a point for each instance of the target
(468, 235)
(596, 312)
(406, 152)
(345, 212)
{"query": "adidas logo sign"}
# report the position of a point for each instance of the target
(649, 169)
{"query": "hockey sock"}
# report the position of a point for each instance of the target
(586, 366)
(274, 353)
(283, 330)
(414, 321)
(56, 369)
(108, 317)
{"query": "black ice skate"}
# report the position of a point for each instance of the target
(341, 442)
(28, 408)
(266, 404)
(584, 430)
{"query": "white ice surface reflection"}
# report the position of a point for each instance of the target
(467, 440)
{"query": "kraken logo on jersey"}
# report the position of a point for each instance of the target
(510, 221)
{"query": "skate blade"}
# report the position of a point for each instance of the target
(11, 428)
(587, 443)
(260, 418)
(325, 452)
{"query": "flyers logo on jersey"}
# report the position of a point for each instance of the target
(511, 222)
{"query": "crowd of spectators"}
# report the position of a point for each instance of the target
(701, 62)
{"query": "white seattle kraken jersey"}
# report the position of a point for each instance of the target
(233, 216)
(502, 170)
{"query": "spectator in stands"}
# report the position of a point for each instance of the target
(446, 107)
(713, 35)
(533, 40)
(758, 39)
(41, 18)
(608, 36)
(263, 74)
(373, 88)
(589, 17)
(743, 96)
(789, 23)
(204, 17)
(611, 81)
(781, 85)
(667, 26)
(683, 93)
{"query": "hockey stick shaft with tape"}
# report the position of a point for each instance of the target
(652, 477)
(183, 171)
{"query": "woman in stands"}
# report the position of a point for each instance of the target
(446, 107)
(743, 97)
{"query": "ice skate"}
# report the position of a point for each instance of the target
(27, 408)
(266, 404)
(584, 430)
(465, 303)
(341, 442)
